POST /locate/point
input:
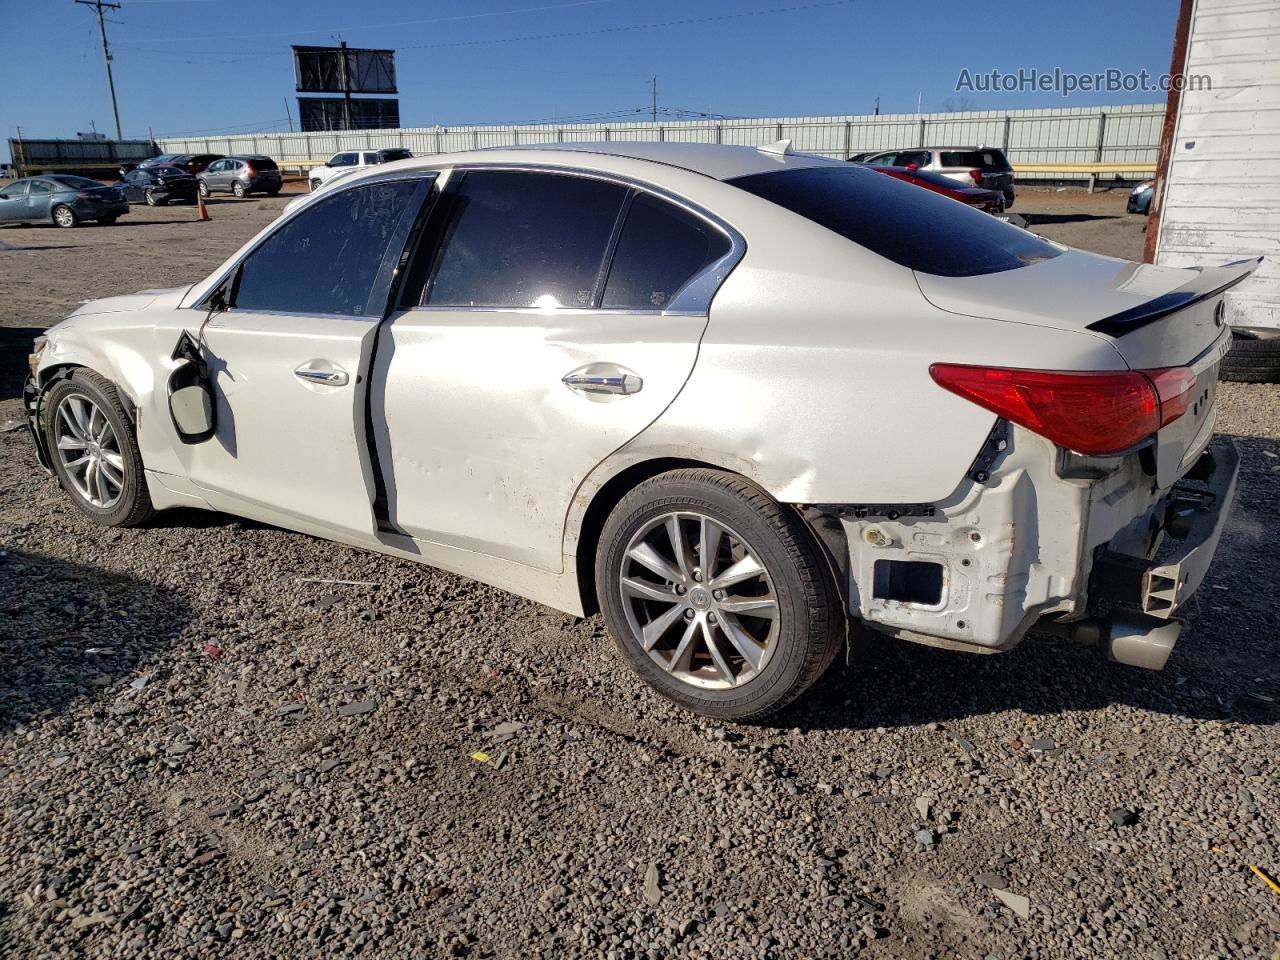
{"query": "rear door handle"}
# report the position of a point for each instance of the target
(330, 378)
(617, 383)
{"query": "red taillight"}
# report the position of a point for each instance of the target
(976, 176)
(248, 168)
(1091, 413)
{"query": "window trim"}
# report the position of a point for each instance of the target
(201, 302)
(693, 299)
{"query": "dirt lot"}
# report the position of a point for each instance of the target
(157, 801)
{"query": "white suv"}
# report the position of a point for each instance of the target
(973, 166)
(342, 163)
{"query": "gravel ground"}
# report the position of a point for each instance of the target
(204, 754)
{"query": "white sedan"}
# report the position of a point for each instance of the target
(734, 398)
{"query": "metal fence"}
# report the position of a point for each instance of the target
(1113, 135)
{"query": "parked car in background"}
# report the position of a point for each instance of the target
(978, 166)
(988, 201)
(61, 198)
(159, 184)
(862, 157)
(731, 397)
(341, 163)
(192, 163)
(1140, 197)
(240, 175)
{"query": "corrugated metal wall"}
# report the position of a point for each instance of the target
(1066, 135)
(1222, 194)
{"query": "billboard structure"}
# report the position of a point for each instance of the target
(345, 70)
(317, 113)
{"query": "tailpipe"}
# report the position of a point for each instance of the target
(1127, 637)
(1139, 640)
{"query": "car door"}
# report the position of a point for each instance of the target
(288, 359)
(555, 321)
(214, 175)
(40, 200)
(133, 184)
(13, 202)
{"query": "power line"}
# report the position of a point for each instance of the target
(99, 6)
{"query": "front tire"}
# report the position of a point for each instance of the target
(64, 216)
(315, 185)
(94, 448)
(152, 199)
(716, 594)
(203, 188)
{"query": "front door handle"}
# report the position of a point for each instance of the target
(329, 378)
(618, 384)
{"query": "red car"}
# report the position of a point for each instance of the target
(989, 201)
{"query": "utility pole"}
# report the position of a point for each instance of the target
(653, 87)
(289, 115)
(346, 87)
(98, 7)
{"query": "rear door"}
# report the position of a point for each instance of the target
(290, 358)
(556, 319)
(39, 200)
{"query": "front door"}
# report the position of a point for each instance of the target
(548, 332)
(289, 359)
(13, 202)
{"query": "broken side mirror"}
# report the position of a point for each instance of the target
(191, 404)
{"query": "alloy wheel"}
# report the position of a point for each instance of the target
(89, 451)
(699, 601)
(63, 217)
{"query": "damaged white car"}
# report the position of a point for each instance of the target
(733, 398)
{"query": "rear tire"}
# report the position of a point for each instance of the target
(64, 216)
(1252, 360)
(238, 189)
(774, 631)
(315, 185)
(152, 199)
(86, 420)
(107, 221)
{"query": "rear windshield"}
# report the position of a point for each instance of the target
(386, 156)
(76, 183)
(984, 159)
(916, 228)
(261, 163)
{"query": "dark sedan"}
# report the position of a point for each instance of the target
(158, 185)
(988, 201)
(63, 199)
(192, 163)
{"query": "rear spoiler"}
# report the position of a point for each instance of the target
(1208, 283)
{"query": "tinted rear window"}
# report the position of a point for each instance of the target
(984, 159)
(386, 156)
(76, 183)
(916, 228)
(262, 163)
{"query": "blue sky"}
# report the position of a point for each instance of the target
(209, 66)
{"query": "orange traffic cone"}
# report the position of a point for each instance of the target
(201, 210)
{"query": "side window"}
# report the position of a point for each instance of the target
(327, 258)
(525, 240)
(661, 248)
(15, 191)
(918, 157)
(41, 187)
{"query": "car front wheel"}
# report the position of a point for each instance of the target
(204, 189)
(716, 594)
(94, 449)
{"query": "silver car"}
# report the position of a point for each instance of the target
(736, 399)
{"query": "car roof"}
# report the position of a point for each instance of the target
(719, 161)
(245, 156)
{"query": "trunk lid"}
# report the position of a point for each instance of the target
(1154, 317)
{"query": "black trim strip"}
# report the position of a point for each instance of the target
(1135, 318)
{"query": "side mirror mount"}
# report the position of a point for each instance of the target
(190, 390)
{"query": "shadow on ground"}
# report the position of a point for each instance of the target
(69, 632)
(1039, 219)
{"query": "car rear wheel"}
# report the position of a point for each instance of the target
(94, 449)
(717, 595)
(315, 185)
(152, 199)
(238, 189)
(64, 216)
